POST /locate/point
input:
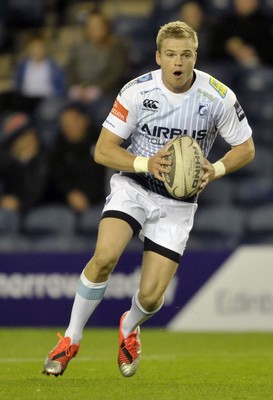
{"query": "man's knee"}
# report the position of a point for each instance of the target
(102, 264)
(150, 301)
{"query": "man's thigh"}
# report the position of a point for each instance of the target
(157, 272)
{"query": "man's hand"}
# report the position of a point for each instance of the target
(208, 176)
(158, 164)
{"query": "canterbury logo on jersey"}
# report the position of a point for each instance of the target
(151, 104)
(169, 133)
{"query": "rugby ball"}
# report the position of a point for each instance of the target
(186, 170)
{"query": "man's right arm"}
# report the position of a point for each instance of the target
(108, 152)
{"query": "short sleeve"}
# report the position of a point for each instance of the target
(122, 118)
(233, 125)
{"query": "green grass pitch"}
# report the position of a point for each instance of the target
(186, 366)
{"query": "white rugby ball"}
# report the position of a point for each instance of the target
(187, 167)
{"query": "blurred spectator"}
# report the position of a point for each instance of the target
(99, 63)
(77, 179)
(193, 14)
(245, 36)
(24, 165)
(38, 75)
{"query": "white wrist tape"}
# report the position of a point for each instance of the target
(141, 164)
(219, 168)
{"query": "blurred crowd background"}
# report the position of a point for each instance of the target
(62, 63)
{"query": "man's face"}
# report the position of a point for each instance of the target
(177, 58)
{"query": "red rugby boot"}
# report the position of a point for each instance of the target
(57, 360)
(129, 351)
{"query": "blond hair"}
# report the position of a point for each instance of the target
(176, 30)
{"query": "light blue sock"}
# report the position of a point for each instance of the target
(87, 298)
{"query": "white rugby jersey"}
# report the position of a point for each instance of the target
(152, 115)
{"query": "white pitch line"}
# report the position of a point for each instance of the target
(82, 359)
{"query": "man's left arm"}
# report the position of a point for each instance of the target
(236, 158)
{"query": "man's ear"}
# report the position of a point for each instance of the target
(158, 58)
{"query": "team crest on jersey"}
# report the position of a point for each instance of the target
(203, 109)
(142, 78)
(145, 78)
(218, 86)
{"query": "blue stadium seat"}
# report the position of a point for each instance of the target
(217, 192)
(12, 243)
(218, 227)
(225, 72)
(256, 80)
(9, 222)
(255, 93)
(47, 119)
(141, 56)
(253, 192)
(89, 220)
(258, 107)
(54, 220)
(262, 133)
(260, 167)
(218, 8)
(52, 243)
(259, 224)
(132, 26)
(164, 11)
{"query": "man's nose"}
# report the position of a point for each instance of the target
(178, 61)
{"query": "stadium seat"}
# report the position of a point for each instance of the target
(164, 11)
(218, 227)
(259, 224)
(12, 243)
(46, 119)
(132, 26)
(72, 243)
(225, 72)
(89, 220)
(255, 80)
(9, 222)
(259, 106)
(218, 8)
(260, 167)
(218, 192)
(252, 192)
(141, 56)
(54, 220)
(262, 133)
